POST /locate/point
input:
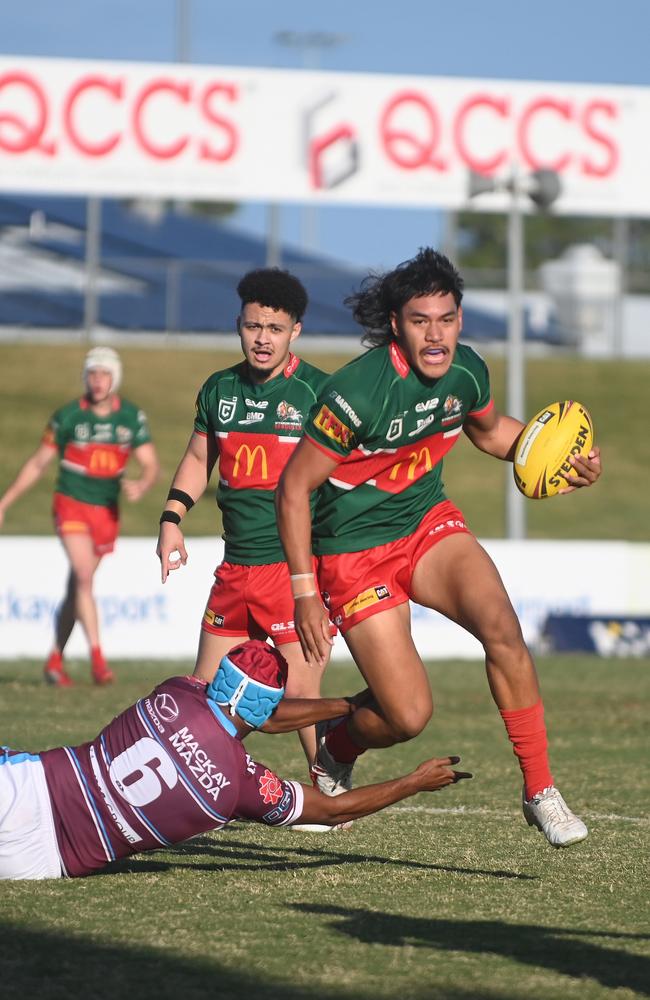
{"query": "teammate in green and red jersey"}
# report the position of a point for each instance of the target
(249, 418)
(385, 533)
(93, 437)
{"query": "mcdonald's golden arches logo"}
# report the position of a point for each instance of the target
(251, 455)
(419, 462)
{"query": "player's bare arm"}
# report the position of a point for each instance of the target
(430, 776)
(296, 713)
(191, 477)
(147, 458)
(494, 433)
(305, 471)
(29, 474)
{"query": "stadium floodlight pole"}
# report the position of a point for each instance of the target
(516, 359)
(543, 188)
(92, 260)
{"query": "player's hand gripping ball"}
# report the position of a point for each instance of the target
(546, 445)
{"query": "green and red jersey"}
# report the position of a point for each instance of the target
(93, 450)
(389, 428)
(255, 429)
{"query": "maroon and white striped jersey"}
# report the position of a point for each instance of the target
(168, 768)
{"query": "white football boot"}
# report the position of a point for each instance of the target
(329, 776)
(549, 813)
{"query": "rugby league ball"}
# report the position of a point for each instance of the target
(546, 444)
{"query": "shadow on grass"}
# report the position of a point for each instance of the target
(235, 855)
(561, 949)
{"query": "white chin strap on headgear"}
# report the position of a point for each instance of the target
(104, 357)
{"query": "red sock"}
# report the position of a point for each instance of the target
(97, 657)
(54, 660)
(341, 745)
(527, 733)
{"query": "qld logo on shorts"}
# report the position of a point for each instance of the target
(227, 407)
(166, 707)
(270, 788)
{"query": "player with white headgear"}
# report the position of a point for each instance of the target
(93, 437)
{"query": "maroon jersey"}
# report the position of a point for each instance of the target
(166, 769)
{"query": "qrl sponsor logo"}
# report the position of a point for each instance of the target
(335, 429)
(250, 457)
(227, 407)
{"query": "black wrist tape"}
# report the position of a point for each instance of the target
(170, 515)
(182, 497)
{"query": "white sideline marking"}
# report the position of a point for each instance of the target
(482, 811)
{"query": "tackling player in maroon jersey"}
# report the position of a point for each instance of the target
(93, 438)
(173, 766)
(384, 531)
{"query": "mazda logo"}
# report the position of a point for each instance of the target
(166, 707)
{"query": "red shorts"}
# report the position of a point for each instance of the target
(72, 517)
(356, 585)
(252, 600)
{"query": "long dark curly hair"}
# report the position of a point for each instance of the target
(428, 273)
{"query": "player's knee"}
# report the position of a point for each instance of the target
(409, 721)
(502, 631)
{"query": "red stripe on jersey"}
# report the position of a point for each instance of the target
(100, 461)
(394, 471)
(480, 413)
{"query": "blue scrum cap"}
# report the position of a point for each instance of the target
(250, 680)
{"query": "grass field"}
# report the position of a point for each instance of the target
(39, 378)
(445, 897)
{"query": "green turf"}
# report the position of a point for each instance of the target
(447, 897)
(37, 379)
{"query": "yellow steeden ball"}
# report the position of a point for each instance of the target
(547, 442)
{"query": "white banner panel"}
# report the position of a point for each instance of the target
(227, 133)
(141, 618)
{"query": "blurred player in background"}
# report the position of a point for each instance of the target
(171, 767)
(385, 533)
(93, 437)
(249, 418)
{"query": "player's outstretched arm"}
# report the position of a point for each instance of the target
(296, 713)
(430, 776)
